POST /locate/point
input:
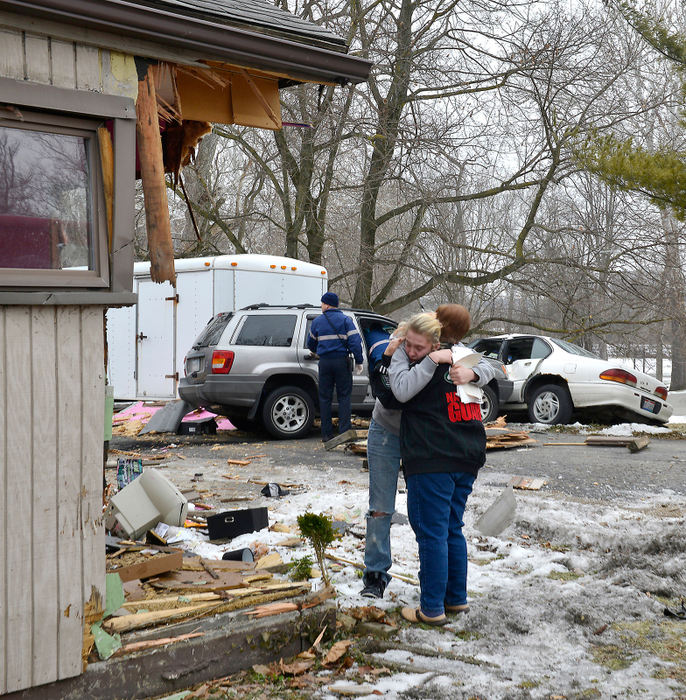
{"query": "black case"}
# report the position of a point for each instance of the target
(232, 523)
(206, 426)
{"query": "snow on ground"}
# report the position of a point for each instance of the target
(567, 602)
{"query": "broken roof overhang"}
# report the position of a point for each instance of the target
(209, 38)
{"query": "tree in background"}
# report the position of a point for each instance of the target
(656, 170)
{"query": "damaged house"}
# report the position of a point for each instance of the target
(92, 95)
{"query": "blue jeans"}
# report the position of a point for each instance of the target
(435, 507)
(334, 371)
(383, 455)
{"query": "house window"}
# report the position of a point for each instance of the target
(52, 227)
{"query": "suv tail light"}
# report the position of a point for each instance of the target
(661, 391)
(619, 375)
(222, 361)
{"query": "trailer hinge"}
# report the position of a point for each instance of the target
(174, 376)
(175, 298)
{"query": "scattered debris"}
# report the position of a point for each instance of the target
(272, 490)
(401, 577)
(498, 515)
(144, 565)
(149, 499)
(529, 483)
(634, 444)
(347, 436)
(232, 523)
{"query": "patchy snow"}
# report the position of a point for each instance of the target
(628, 429)
(564, 603)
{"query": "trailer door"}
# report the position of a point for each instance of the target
(156, 372)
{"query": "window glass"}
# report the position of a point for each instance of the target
(490, 348)
(307, 329)
(46, 216)
(519, 349)
(267, 330)
(574, 349)
(540, 349)
(213, 331)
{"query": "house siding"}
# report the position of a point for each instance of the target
(65, 64)
(51, 426)
(51, 433)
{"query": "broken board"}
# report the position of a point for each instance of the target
(347, 436)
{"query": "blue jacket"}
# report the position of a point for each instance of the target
(377, 340)
(333, 333)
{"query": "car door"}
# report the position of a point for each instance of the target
(522, 357)
(306, 359)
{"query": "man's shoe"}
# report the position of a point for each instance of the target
(374, 587)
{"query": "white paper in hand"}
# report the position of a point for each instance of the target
(466, 357)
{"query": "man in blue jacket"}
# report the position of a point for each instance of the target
(333, 337)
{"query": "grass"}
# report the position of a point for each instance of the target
(564, 575)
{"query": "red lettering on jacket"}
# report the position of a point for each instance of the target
(458, 411)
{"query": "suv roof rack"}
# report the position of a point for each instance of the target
(255, 307)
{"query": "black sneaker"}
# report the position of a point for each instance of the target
(374, 587)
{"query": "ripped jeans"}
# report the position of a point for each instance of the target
(383, 455)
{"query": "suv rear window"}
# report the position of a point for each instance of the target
(213, 331)
(268, 331)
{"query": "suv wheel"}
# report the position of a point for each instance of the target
(288, 412)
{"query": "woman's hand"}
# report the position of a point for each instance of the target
(462, 375)
(441, 357)
(392, 346)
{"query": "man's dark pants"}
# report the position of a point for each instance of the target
(334, 371)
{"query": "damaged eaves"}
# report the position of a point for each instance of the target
(207, 38)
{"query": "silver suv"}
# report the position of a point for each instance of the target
(253, 367)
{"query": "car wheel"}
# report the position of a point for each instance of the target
(550, 404)
(489, 406)
(288, 412)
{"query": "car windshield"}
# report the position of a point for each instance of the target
(574, 349)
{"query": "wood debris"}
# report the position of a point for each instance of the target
(239, 462)
(271, 609)
(152, 643)
(634, 444)
(508, 440)
(348, 436)
(527, 483)
(401, 577)
(137, 565)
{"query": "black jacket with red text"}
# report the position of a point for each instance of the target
(439, 433)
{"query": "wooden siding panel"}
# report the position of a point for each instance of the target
(63, 59)
(3, 505)
(88, 68)
(69, 462)
(93, 402)
(12, 54)
(44, 532)
(37, 57)
(19, 496)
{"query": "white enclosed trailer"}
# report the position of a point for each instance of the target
(147, 342)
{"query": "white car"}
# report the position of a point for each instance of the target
(553, 378)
